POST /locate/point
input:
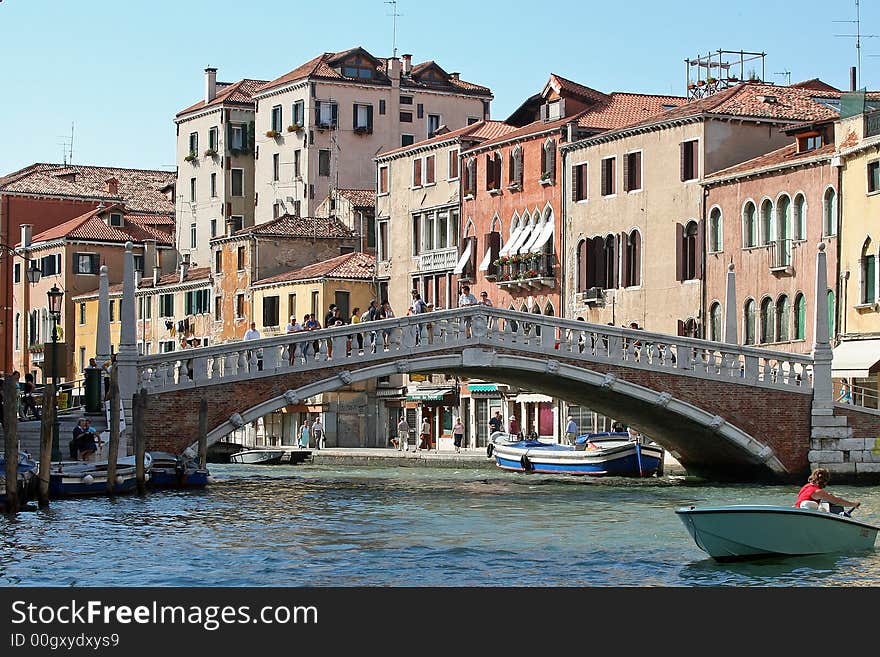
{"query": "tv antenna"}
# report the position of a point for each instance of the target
(788, 73)
(66, 144)
(394, 15)
(858, 37)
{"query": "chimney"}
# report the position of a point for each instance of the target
(26, 231)
(210, 84)
(852, 78)
(157, 274)
(184, 268)
(230, 227)
(149, 255)
(454, 76)
(407, 64)
(393, 68)
(112, 186)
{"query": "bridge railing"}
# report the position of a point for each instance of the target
(403, 337)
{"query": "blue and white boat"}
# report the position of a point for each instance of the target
(596, 454)
(27, 478)
(76, 478)
(177, 471)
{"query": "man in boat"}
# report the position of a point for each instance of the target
(813, 493)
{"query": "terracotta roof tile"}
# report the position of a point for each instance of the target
(93, 226)
(139, 189)
(815, 84)
(787, 155)
(625, 108)
(478, 131)
(237, 93)
(576, 89)
(359, 198)
(291, 226)
(193, 275)
(358, 266)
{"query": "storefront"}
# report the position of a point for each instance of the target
(856, 362)
(440, 406)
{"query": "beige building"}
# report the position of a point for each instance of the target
(320, 125)
(356, 208)
(634, 230)
(215, 165)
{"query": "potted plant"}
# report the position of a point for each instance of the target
(711, 80)
(191, 156)
(700, 83)
(505, 277)
(211, 152)
(530, 273)
(274, 134)
(296, 127)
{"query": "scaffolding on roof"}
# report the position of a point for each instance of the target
(720, 70)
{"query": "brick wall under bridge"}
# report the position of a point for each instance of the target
(723, 429)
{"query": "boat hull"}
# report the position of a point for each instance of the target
(27, 479)
(258, 457)
(615, 458)
(176, 471)
(749, 532)
(79, 478)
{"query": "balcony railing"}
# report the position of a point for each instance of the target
(437, 260)
(533, 270)
(781, 254)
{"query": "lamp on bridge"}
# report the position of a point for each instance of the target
(56, 297)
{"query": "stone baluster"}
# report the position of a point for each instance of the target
(241, 362)
(230, 364)
(169, 374)
(271, 358)
(182, 372)
(751, 367)
(200, 369)
(285, 356)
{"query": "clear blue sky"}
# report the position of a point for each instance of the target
(121, 69)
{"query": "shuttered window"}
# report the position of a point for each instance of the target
(609, 184)
(689, 160)
(579, 174)
(429, 170)
(632, 171)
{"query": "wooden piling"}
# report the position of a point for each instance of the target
(47, 423)
(113, 451)
(203, 432)
(10, 430)
(137, 412)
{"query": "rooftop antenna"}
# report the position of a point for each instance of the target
(858, 37)
(394, 16)
(66, 144)
(788, 73)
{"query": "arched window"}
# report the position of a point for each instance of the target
(610, 261)
(800, 217)
(715, 234)
(515, 167)
(633, 262)
(829, 212)
(17, 338)
(832, 328)
(469, 229)
(548, 310)
(782, 318)
(581, 266)
(548, 161)
(767, 323)
(690, 251)
(715, 322)
(766, 222)
(749, 319)
(34, 328)
(470, 177)
(800, 317)
(691, 328)
(868, 273)
(750, 233)
(783, 231)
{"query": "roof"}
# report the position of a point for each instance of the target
(478, 131)
(357, 266)
(237, 93)
(815, 84)
(321, 67)
(93, 226)
(623, 108)
(293, 226)
(359, 198)
(573, 88)
(139, 189)
(781, 157)
(193, 275)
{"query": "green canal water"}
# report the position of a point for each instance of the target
(314, 525)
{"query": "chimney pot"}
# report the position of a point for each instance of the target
(407, 64)
(210, 84)
(26, 232)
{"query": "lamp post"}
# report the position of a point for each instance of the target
(56, 296)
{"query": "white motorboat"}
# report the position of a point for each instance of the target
(728, 533)
(265, 456)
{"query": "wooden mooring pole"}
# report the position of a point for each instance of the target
(10, 431)
(47, 422)
(203, 432)
(113, 451)
(137, 412)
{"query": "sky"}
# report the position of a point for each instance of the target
(119, 70)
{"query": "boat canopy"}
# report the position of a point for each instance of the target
(855, 358)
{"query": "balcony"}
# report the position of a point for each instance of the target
(438, 260)
(529, 271)
(780, 257)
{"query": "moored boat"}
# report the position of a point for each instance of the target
(75, 478)
(258, 456)
(177, 471)
(27, 478)
(596, 454)
(728, 533)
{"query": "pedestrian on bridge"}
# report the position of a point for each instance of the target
(253, 334)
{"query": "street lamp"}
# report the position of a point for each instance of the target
(56, 296)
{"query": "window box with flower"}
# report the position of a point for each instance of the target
(273, 134)
(296, 127)
(211, 153)
(191, 157)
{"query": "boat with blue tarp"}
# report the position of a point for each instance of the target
(27, 478)
(177, 471)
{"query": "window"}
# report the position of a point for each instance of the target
(809, 143)
(632, 261)
(276, 118)
(166, 346)
(767, 323)
(608, 182)
(383, 254)
(689, 248)
(548, 161)
(515, 168)
(382, 107)
(218, 308)
(832, 314)
(416, 234)
(868, 274)
(324, 162)
(192, 190)
(632, 172)
(16, 273)
(406, 117)
(276, 166)
(470, 177)
(213, 139)
(213, 228)
(238, 182)
(213, 185)
(829, 212)
(145, 308)
(579, 182)
(582, 259)
(800, 317)
(166, 305)
(433, 124)
(237, 222)
(359, 72)
(782, 310)
(297, 114)
(291, 305)
(383, 180)
(218, 261)
(873, 176)
(276, 209)
(342, 299)
(85, 263)
(362, 118)
(493, 171)
(750, 232)
(192, 236)
(240, 259)
(82, 314)
(800, 217)
(420, 111)
(316, 303)
(715, 322)
(236, 140)
(783, 232)
(715, 235)
(270, 311)
(112, 310)
(766, 222)
(417, 172)
(429, 170)
(197, 302)
(430, 223)
(193, 142)
(690, 169)
(406, 100)
(239, 305)
(407, 140)
(115, 219)
(326, 114)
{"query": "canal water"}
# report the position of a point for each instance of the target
(396, 526)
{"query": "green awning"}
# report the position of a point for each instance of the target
(483, 387)
(429, 394)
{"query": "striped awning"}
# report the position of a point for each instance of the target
(483, 387)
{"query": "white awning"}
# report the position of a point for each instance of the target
(487, 260)
(513, 237)
(531, 397)
(853, 358)
(521, 239)
(526, 246)
(459, 266)
(543, 238)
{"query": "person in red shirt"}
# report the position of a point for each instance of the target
(814, 491)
